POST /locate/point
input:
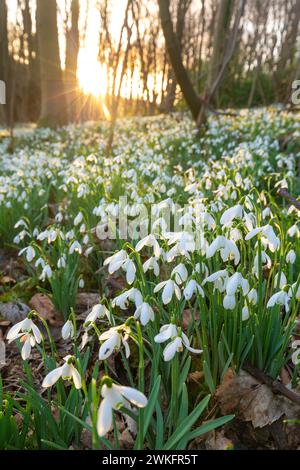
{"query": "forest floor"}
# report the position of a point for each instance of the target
(202, 317)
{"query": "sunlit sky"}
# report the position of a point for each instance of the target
(92, 76)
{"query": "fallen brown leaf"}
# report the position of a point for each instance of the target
(252, 401)
(44, 306)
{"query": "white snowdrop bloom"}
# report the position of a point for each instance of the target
(266, 262)
(67, 330)
(282, 280)
(75, 248)
(296, 353)
(28, 333)
(81, 283)
(61, 263)
(133, 295)
(98, 311)
(145, 313)
(115, 261)
(113, 339)
(129, 267)
(290, 257)
(46, 273)
(201, 267)
(219, 278)
(280, 298)
(236, 281)
(293, 291)
(149, 240)
(235, 212)
(267, 213)
(43, 235)
(252, 296)
(30, 253)
(229, 302)
(180, 273)
(21, 223)
(166, 332)
(114, 397)
(245, 313)
(235, 235)
(169, 288)
(191, 288)
(184, 241)
(67, 372)
(293, 231)
(151, 264)
(178, 341)
(78, 219)
(227, 248)
(59, 217)
(269, 238)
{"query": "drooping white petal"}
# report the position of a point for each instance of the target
(52, 377)
(136, 397)
(104, 417)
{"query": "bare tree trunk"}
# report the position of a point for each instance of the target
(53, 106)
(192, 98)
(4, 59)
(72, 49)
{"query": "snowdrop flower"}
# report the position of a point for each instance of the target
(61, 263)
(229, 302)
(115, 261)
(219, 278)
(78, 219)
(252, 296)
(133, 295)
(293, 230)
(67, 330)
(145, 313)
(114, 397)
(178, 341)
(280, 298)
(75, 247)
(293, 291)
(290, 257)
(46, 273)
(296, 353)
(30, 253)
(230, 214)
(149, 240)
(282, 280)
(191, 288)
(169, 288)
(236, 281)
(28, 333)
(269, 238)
(245, 313)
(184, 242)
(151, 264)
(67, 372)
(113, 339)
(98, 311)
(265, 260)
(130, 269)
(180, 273)
(228, 249)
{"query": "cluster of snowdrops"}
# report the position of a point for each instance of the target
(209, 268)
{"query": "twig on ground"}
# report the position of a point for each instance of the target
(276, 386)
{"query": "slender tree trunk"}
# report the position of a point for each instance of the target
(72, 49)
(4, 60)
(174, 51)
(53, 106)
